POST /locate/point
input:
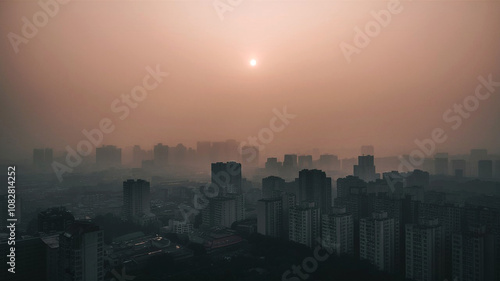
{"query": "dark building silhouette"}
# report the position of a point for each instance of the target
(475, 156)
(272, 187)
(315, 186)
(136, 200)
(365, 169)
(81, 253)
(108, 156)
(160, 155)
(344, 185)
(441, 164)
(329, 162)
(54, 219)
(227, 177)
(305, 162)
(485, 169)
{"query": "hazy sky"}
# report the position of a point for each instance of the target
(394, 91)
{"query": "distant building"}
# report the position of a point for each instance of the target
(329, 162)
(250, 155)
(136, 199)
(272, 166)
(108, 156)
(270, 217)
(485, 169)
(227, 177)
(417, 178)
(377, 240)
(160, 155)
(458, 168)
(425, 250)
(272, 187)
(344, 185)
(365, 169)
(441, 164)
(337, 231)
(305, 162)
(54, 220)
(221, 211)
(475, 156)
(81, 253)
(304, 224)
(473, 255)
(315, 186)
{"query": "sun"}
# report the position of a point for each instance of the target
(253, 62)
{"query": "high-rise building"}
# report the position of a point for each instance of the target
(417, 178)
(29, 260)
(81, 253)
(377, 240)
(108, 156)
(329, 162)
(227, 177)
(473, 255)
(270, 217)
(441, 164)
(475, 156)
(220, 211)
(272, 166)
(54, 219)
(425, 250)
(136, 199)
(272, 187)
(315, 186)
(365, 169)
(344, 185)
(485, 169)
(367, 150)
(304, 223)
(160, 155)
(290, 161)
(337, 231)
(305, 162)
(458, 168)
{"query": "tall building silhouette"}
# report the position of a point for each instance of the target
(270, 217)
(160, 155)
(81, 253)
(344, 185)
(425, 250)
(473, 255)
(305, 162)
(365, 169)
(136, 199)
(272, 187)
(441, 164)
(227, 177)
(304, 223)
(337, 231)
(108, 156)
(485, 169)
(329, 162)
(54, 219)
(377, 240)
(315, 186)
(220, 211)
(475, 156)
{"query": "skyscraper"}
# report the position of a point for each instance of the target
(441, 164)
(344, 185)
(337, 231)
(305, 162)
(329, 162)
(365, 169)
(54, 219)
(425, 250)
(377, 240)
(475, 156)
(221, 211)
(304, 223)
(160, 155)
(315, 186)
(270, 217)
(272, 187)
(473, 255)
(108, 156)
(485, 169)
(81, 253)
(458, 168)
(227, 177)
(136, 199)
